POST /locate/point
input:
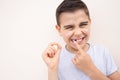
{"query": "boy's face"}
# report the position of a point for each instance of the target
(74, 26)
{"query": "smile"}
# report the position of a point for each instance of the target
(78, 40)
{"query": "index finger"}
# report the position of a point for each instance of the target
(79, 47)
(56, 46)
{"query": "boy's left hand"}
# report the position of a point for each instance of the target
(82, 60)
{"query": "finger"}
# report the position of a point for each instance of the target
(78, 47)
(52, 47)
(59, 48)
(74, 60)
(53, 50)
(48, 53)
(53, 43)
(45, 56)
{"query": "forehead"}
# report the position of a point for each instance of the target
(67, 17)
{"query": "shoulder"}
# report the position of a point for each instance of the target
(103, 59)
(98, 48)
(101, 51)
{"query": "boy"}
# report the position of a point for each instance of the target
(78, 60)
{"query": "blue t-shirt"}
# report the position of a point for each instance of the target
(100, 57)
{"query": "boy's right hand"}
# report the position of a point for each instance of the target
(51, 55)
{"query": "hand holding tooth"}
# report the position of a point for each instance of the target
(51, 55)
(82, 60)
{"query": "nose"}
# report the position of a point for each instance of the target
(78, 31)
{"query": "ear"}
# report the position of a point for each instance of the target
(58, 28)
(90, 21)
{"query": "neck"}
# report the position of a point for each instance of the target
(85, 48)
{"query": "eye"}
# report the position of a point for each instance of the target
(83, 24)
(68, 27)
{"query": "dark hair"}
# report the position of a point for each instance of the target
(71, 6)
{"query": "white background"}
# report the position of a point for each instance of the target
(27, 26)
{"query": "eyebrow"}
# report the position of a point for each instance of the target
(84, 22)
(68, 25)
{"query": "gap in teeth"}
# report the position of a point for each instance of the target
(76, 40)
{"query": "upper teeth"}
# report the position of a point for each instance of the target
(77, 40)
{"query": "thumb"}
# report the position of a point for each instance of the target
(59, 48)
(74, 60)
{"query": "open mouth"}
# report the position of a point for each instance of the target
(78, 40)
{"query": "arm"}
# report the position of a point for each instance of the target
(52, 74)
(114, 76)
(96, 74)
(83, 61)
(51, 58)
(85, 64)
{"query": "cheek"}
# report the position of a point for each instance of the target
(68, 34)
(87, 31)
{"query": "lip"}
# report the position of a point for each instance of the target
(78, 40)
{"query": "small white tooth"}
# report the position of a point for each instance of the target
(55, 46)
